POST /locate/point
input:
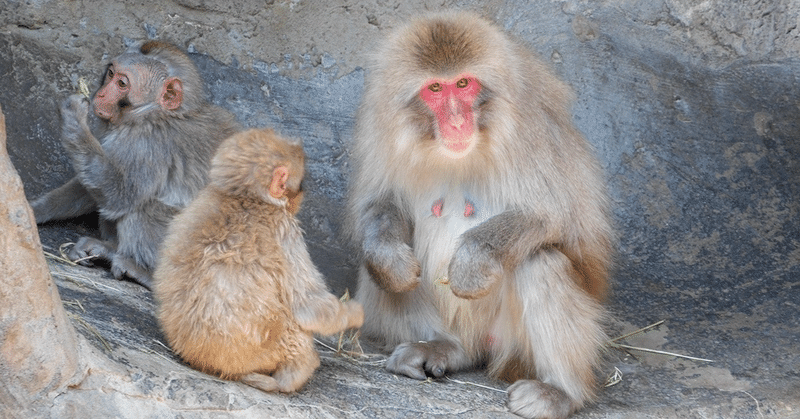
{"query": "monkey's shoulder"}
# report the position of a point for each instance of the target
(211, 123)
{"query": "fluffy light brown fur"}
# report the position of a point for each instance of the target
(238, 295)
(518, 285)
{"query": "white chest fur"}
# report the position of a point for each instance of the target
(440, 220)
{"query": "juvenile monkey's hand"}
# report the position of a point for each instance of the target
(75, 129)
(392, 265)
(473, 269)
(355, 314)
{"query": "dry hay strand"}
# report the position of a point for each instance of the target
(75, 278)
(616, 377)
(83, 88)
(468, 383)
(62, 254)
(614, 343)
(74, 303)
(62, 250)
(348, 345)
(152, 351)
(79, 320)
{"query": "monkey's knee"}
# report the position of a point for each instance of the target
(535, 399)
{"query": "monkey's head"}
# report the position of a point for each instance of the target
(260, 163)
(154, 79)
(443, 74)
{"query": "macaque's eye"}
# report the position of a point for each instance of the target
(462, 83)
(435, 87)
(122, 82)
(109, 73)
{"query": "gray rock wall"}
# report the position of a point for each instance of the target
(691, 105)
(682, 100)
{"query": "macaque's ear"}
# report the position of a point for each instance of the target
(277, 187)
(172, 94)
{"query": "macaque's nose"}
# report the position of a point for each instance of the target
(456, 119)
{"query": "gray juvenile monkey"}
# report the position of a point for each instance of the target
(481, 213)
(150, 162)
(238, 295)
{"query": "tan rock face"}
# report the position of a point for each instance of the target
(38, 350)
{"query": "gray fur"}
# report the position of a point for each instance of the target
(144, 170)
(387, 255)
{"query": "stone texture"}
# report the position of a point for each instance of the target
(692, 106)
(38, 347)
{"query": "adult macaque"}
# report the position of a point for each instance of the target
(481, 214)
(160, 134)
(238, 295)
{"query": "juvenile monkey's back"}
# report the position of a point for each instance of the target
(221, 305)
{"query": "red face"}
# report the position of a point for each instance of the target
(452, 102)
(110, 98)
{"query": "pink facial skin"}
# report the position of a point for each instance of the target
(451, 101)
(106, 101)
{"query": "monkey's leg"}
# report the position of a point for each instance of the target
(89, 250)
(260, 381)
(108, 230)
(423, 358)
(140, 233)
(562, 326)
(123, 266)
(68, 201)
(293, 373)
(410, 324)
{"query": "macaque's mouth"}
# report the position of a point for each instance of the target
(456, 149)
(457, 146)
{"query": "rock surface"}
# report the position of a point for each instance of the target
(38, 346)
(692, 106)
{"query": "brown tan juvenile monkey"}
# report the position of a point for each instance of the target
(481, 213)
(153, 157)
(238, 295)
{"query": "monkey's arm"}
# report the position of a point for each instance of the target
(316, 310)
(387, 256)
(117, 183)
(68, 201)
(501, 242)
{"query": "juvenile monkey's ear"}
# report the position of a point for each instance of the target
(172, 94)
(277, 187)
